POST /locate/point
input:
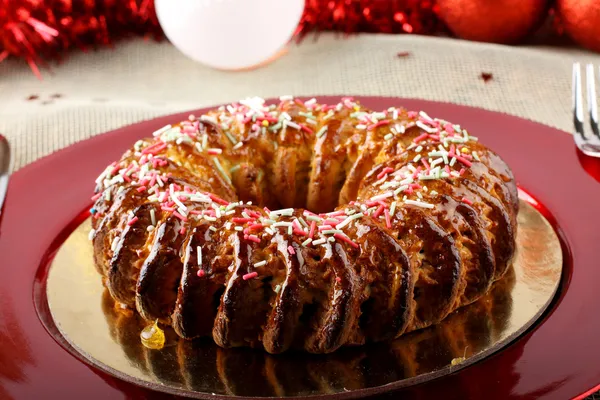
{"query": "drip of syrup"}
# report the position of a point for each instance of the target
(153, 337)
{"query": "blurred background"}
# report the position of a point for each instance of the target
(71, 69)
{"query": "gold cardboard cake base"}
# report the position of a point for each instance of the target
(109, 338)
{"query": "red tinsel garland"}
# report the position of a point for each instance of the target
(39, 30)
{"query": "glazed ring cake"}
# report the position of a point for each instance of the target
(300, 225)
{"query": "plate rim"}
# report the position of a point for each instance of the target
(566, 237)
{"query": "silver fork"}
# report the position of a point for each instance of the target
(588, 144)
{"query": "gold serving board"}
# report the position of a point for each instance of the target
(109, 337)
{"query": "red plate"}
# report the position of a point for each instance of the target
(558, 358)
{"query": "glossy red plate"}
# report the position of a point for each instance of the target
(557, 358)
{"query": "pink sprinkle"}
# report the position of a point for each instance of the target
(250, 275)
(267, 210)
(182, 230)
(385, 171)
(299, 232)
(378, 212)
(467, 156)
(153, 180)
(345, 239)
(217, 199)
(254, 226)
(462, 171)
(313, 225)
(449, 128)
(96, 196)
(210, 213)
(181, 217)
(338, 279)
(452, 151)
(132, 221)
(434, 137)
(416, 173)
(252, 213)
(188, 129)
(195, 212)
(306, 128)
(422, 136)
(115, 170)
(331, 221)
(214, 151)
(253, 238)
(291, 250)
(169, 209)
(388, 222)
(425, 163)
(447, 169)
(241, 220)
(379, 123)
(200, 273)
(324, 227)
(141, 189)
(154, 148)
(182, 198)
(464, 161)
(465, 200)
(126, 178)
(412, 114)
(415, 186)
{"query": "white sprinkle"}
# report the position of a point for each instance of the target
(418, 149)
(417, 158)
(393, 207)
(161, 130)
(319, 241)
(419, 203)
(149, 228)
(209, 218)
(91, 234)
(206, 118)
(361, 126)
(400, 190)
(453, 161)
(322, 131)
(382, 196)
(313, 218)
(239, 228)
(434, 193)
(260, 263)
(389, 136)
(286, 98)
(331, 231)
(425, 116)
(238, 145)
(230, 212)
(199, 253)
(153, 216)
(475, 156)
(228, 226)
(212, 228)
(350, 219)
(270, 231)
(426, 128)
(307, 242)
(284, 211)
(291, 124)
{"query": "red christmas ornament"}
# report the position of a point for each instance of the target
(580, 20)
(497, 21)
(381, 16)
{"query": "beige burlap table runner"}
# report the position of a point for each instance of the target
(92, 93)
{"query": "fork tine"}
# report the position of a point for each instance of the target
(590, 78)
(577, 100)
